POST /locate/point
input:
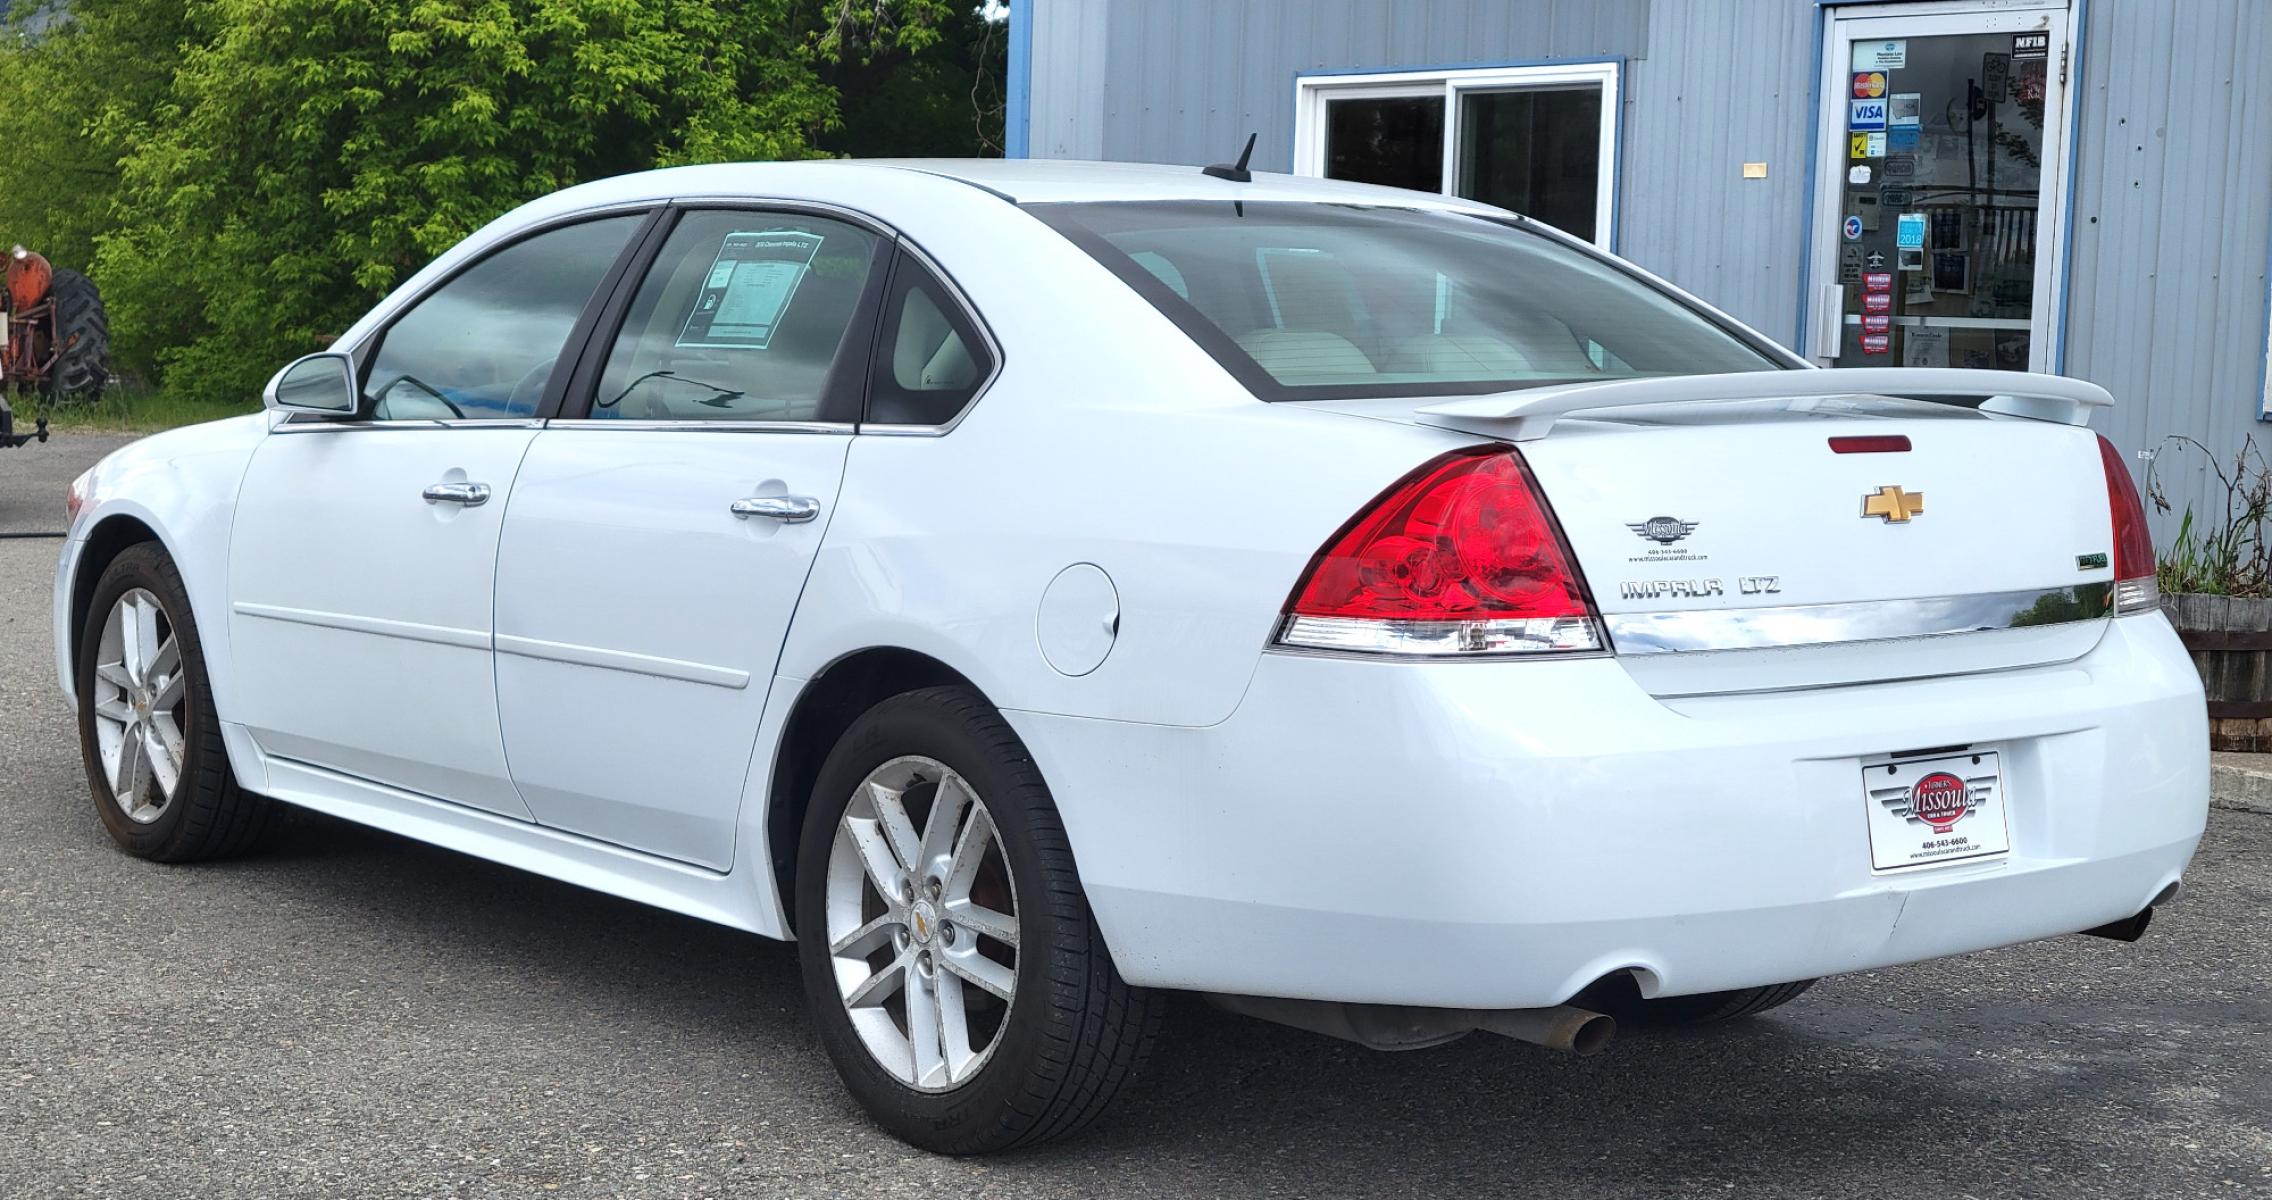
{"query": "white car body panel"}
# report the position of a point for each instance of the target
(638, 624)
(1474, 834)
(361, 614)
(1499, 836)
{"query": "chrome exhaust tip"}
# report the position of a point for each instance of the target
(1564, 1027)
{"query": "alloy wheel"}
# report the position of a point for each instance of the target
(922, 923)
(141, 700)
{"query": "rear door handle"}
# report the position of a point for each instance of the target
(468, 494)
(789, 510)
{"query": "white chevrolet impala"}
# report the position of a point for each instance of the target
(1038, 588)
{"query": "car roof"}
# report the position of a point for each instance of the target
(1021, 181)
(1049, 181)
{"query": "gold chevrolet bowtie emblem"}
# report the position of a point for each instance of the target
(1893, 504)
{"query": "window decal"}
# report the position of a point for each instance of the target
(751, 282)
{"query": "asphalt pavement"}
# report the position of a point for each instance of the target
(354, 1015)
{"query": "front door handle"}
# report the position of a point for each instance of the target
(789, 510)
(468, 494)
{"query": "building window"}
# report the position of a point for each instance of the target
(1539, 140)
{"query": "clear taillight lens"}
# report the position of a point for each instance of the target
(1460, 557)
(2134, 586)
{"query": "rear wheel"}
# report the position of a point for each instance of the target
(155, 765)
(82, 334)
(960, 984)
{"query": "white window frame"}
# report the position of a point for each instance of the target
(1313, 92)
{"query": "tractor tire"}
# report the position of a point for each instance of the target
(82, 330)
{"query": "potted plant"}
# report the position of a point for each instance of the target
(2216, 586)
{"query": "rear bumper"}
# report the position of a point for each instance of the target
(1499, 835)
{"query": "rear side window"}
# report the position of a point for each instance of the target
(745, 316)
(1329, 301)
(930, 358)
(483, 344)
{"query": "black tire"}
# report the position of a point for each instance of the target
(1703, 1008)
(208, 816)
(82, 331)
(1075, 1032)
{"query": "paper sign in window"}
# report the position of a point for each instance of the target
(748, 289)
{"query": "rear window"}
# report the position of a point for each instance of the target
(1306, 301)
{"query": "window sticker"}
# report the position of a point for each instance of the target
(1881, 56)
(749, 287)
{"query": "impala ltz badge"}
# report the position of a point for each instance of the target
(1940, 800)
(1893, 505)
(1662, 530)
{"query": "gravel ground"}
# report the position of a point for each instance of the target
(357, 1015)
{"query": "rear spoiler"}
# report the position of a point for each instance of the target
(1527, 414)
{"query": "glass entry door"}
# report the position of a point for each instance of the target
(1940, 215)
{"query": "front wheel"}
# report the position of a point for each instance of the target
(959, 981)
(155, 765)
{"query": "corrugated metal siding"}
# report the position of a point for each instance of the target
(2167, 289)
(1069, 66)
(1188, 79)
(2166, 294)
(1687, 212)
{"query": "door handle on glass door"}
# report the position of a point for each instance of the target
(789, 510)
(468, 494)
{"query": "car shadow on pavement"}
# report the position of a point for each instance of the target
(1250, 1107)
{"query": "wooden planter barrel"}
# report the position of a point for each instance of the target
(2230, 638)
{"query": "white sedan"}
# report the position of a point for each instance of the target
(1039, 587)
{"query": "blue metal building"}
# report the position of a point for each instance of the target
(2069, 185)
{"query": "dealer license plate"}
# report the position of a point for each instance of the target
(1933, 811)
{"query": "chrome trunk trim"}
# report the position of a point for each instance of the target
(1706, 630)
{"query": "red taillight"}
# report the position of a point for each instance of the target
(1893, 443)
(1461, 557)
(2134, 586)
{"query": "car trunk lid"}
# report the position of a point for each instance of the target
(1733, 547)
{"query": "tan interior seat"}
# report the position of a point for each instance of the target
(1297, 356)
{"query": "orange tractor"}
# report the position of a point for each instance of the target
(54, 340)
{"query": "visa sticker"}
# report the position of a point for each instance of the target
(1865, 114)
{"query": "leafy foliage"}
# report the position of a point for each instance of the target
(247, 176)
(2229, 555)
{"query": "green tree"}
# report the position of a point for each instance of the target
(312, 153)
(922, 81)
(74, 92)
(244, 177)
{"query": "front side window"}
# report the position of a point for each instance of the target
(483, 344)
(1306, 301)
(745, 316)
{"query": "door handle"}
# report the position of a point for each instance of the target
(789, 510)
(468, 494)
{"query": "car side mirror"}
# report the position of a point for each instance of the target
(320, 383)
